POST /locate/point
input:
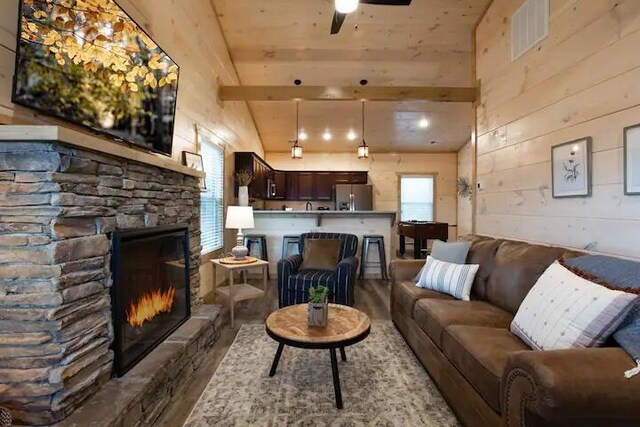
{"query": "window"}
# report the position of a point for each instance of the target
(212, 201)
(416, 198)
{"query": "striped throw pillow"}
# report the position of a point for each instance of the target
(563, 311)
(448, 278)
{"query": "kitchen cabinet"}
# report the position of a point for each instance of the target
(292, 185)
(279, 191)
(307, 186)
(324, 183)
(261, 171)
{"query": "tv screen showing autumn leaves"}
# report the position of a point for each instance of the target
(87, 62)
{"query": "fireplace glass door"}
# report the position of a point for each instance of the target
(150, 294)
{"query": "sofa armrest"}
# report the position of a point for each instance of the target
(346, 272)
(405, 269)
(575, 384)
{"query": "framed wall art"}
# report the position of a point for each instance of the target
(571, 168)
(632, 160)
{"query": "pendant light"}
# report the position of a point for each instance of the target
(296, 150)
(363, 149)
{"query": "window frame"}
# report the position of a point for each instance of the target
(432, 175)
(208, 252)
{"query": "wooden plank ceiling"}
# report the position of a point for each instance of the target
(273, 42)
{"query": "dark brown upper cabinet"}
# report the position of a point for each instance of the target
(261, 171)
(325, 181)
(279, 186)
(292, 185)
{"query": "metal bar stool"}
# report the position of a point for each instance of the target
(375, 239)
(288, 240)
(261, 240)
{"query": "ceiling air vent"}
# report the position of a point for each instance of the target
(529, 26)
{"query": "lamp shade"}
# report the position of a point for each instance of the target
(239, 217)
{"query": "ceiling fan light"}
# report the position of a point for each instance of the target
(346, 6)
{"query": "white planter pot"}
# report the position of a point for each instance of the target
(243, 196)
(318, 314)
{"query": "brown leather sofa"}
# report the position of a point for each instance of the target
(489, 376)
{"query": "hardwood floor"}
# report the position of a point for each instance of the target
(372, 297)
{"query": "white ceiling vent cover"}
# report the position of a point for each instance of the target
(529, 26)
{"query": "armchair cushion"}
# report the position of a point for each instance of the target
(321, 254)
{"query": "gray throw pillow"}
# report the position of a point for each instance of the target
(619, 274)
(454, 252)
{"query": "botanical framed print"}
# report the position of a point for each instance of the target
(194, 161)
(632, 160)
(571, 169)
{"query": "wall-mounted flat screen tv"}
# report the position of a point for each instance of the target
(89, 63)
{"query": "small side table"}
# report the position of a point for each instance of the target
(235, 292)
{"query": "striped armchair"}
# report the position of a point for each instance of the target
(294, 284)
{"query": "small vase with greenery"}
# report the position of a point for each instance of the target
(318, 308)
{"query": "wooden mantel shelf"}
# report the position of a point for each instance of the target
(45, 133)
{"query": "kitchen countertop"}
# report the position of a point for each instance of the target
(333, 213)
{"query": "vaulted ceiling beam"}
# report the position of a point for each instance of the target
(347, 93)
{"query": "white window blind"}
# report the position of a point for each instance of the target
(212, 200)
(416, 198)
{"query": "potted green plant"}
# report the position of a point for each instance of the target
(318, 308)
(243, 178)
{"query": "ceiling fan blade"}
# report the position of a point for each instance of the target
(336, 23)
(387, 2)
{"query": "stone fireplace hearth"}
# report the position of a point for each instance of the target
(58, 206)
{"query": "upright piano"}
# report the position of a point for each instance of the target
(420, 232)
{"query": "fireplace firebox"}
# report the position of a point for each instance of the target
(150, 292)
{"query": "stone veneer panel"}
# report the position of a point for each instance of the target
(57, 207)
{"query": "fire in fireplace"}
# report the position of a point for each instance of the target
(150, 293)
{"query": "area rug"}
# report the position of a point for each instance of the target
(383, 384)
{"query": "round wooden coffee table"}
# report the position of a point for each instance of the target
(346, 326)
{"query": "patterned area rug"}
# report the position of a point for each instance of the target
(383, 384)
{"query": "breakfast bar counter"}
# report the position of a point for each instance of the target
(275, 224)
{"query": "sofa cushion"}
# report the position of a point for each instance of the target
(406, 293)
(480, 354)
(482, 252)
(516, 268)
(434, 315)
(298, 285)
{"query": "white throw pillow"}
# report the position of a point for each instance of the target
(563, 311)
(448, 278)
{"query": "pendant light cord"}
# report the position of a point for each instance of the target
(363, 128)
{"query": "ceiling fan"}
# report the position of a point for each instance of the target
(344, 7)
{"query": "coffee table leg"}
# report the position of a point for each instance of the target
(276, 359)
(336, 378)
(343, 355)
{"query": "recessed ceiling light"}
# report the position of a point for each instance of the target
(346, 6)
(351, 135)
(302, 136)
(327, 135)
(423, 123)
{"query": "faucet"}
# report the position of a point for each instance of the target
(309, 207)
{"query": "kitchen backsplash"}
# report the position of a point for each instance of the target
(295, 205)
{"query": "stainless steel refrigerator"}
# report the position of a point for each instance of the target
(354, 197)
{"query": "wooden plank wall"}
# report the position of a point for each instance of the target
(582, 80)
(383, 175)
(465, 206)
(189, 32)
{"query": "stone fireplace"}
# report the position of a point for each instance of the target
(59, 207)
(150, 291)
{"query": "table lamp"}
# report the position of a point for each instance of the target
(239, 217)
